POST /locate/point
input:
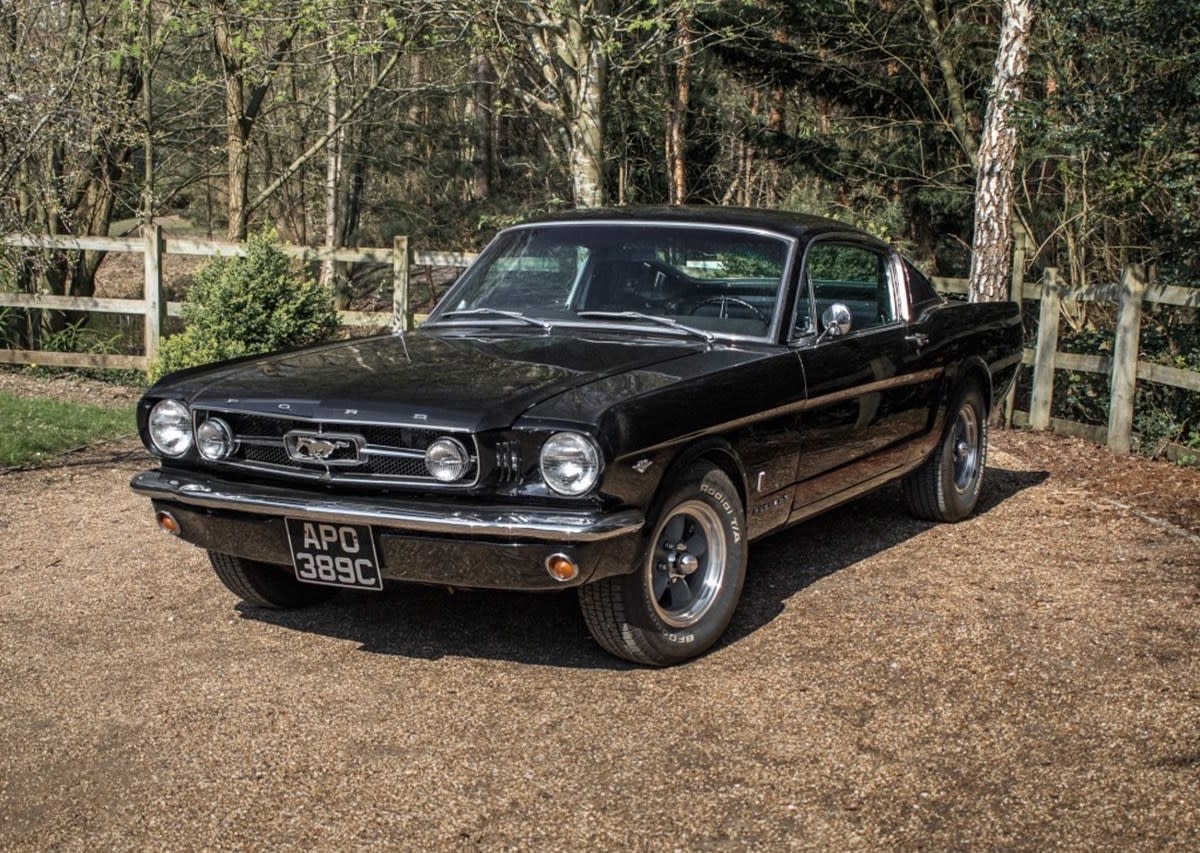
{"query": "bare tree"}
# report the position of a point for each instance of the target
(555, 59)
(69, 128)
(991, 258)
(246, 85)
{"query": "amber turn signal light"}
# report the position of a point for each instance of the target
(561, 567)
(167, 522)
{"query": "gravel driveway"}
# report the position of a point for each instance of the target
(1026, 680)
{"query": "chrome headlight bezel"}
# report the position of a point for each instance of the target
(214, 440)
(447, 460)
(571, 463)
(169, 426)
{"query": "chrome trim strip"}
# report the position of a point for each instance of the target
(511, 522)
(394, 452)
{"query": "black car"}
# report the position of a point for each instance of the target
(617, 400)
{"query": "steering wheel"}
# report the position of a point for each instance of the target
(724, 303)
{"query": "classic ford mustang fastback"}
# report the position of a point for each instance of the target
(619, 401)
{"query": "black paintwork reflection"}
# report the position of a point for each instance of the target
(722, 392)
(876, 396)
(477, 381)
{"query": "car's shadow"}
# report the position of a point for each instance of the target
(432, 622)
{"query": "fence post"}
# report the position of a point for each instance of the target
(1020, 242)
(1043, 360)
(1125, 356)
(152, 293)
(401, 318)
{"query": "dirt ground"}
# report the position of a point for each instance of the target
(1026, 680)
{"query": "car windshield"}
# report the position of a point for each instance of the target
(674, 278)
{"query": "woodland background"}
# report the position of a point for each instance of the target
(346, 122)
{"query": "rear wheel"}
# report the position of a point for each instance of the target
(266, 585)
(947, 486)
(682, 597)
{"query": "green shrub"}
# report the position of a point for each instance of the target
(245, 306)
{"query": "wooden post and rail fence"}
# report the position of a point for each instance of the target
(1123, 368)
(155, 308)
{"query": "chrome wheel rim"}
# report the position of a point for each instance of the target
(964, 448)
(686, 566)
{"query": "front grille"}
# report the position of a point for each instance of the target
(386, 454)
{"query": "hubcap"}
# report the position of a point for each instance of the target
(686, 564)
(965, 443)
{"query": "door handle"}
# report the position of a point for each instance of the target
(918, 338)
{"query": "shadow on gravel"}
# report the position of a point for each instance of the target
(432, 622)
(788, 562)
(84, 457)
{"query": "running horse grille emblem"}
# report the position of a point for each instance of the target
(323, 448)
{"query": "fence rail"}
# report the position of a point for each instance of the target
(1123, 368)
(153, 245)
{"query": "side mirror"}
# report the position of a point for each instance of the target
(837, 320)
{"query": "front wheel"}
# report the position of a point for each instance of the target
(947, 486)
(688, 582)
(266, 585)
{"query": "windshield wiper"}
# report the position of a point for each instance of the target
(649, 318)
(496, 312)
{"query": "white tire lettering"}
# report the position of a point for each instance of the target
(726, 505)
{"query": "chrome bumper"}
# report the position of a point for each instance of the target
(506, 522)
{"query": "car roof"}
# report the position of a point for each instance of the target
(800, 225)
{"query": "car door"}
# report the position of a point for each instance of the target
(869, 388)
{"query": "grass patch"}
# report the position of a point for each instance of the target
(36, 428)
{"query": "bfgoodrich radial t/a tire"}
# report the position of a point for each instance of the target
(947, 486)
(687, 585)
(266, 585)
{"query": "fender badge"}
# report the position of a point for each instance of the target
(641, 465)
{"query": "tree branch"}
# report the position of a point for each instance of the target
(318, 146)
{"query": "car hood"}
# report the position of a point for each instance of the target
(451, 379)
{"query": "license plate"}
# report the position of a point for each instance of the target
(334, 554)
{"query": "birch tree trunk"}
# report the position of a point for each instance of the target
(991, 246)
(585, 44)
(332, 173)
(564, 56)
(333, 169)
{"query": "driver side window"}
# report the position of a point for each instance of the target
(854, 275)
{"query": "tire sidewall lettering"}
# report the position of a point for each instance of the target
(726, 506)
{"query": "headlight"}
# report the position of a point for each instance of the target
(214, 439)
(171, 427)
(447, 460)
(570, 463)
